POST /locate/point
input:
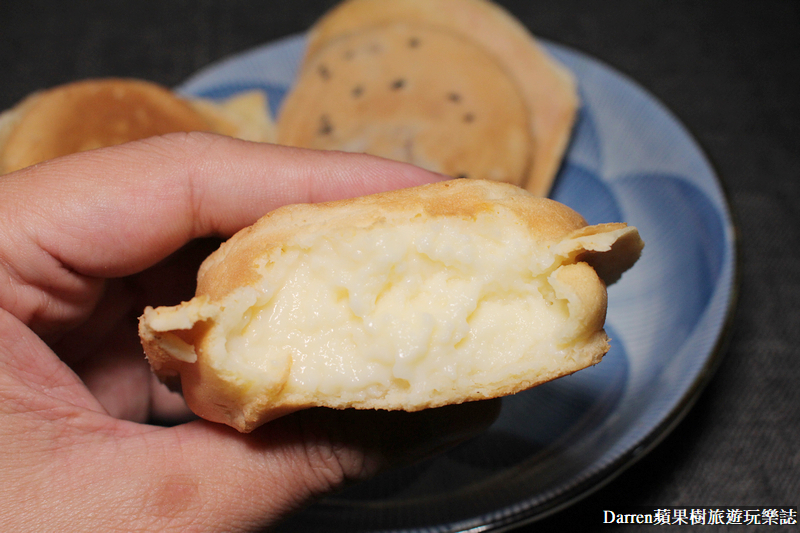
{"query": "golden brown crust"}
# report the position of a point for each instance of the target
(96, 113)
(191, 341)
(234, 264)
(547, 87)
(91, 114)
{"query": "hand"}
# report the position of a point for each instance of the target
(86, 241)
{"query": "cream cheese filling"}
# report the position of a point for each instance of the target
(424, 306)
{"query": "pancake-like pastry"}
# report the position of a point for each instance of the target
(96, 113)
(547, 87)
(412, 94)
(445, 293)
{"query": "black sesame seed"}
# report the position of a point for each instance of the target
(325, 127)
(454, 97)
(324, 73)
(413, 42)
(469, 117)
(462, 177)
(357, 91)
(398, 84)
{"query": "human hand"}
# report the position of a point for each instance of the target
(86, 242)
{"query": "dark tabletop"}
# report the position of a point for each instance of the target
(730, 71)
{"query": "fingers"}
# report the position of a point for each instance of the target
(115, 211)
(106, 475)
(254, 480)
(88, 471)
(70, 222)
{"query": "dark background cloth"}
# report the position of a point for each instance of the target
(730, 71)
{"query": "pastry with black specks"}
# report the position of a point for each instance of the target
(458, 87)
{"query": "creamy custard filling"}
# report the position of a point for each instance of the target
(421, 306)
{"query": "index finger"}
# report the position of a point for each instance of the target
(115, 211)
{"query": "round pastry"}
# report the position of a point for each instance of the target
(96, 113)
(412, 94)
(547, 88)
(434, 295)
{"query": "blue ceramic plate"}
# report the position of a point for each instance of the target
(630, 160)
